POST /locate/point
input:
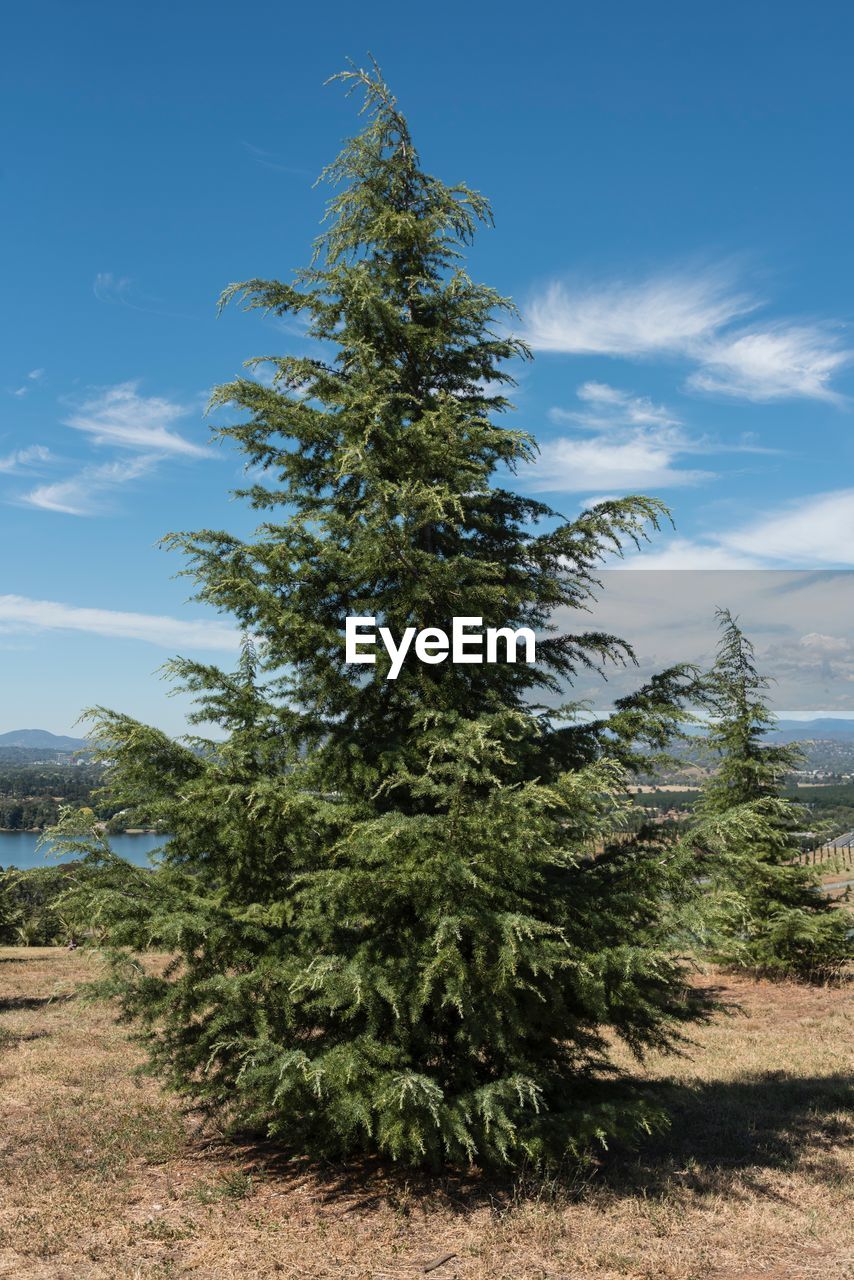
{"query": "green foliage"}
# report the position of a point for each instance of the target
(767, 912)
(9, 914)
(31, 907)
(400, 918)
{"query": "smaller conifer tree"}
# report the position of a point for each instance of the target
(768, 914)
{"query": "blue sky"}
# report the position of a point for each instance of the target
(672, 191)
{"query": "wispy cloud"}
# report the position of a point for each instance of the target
(118, 291)
(636, 465)
(687, 553)
(698, 317)
(83, 494)
(816, 657)
(799, 621)
(22, 458)
(663, 315)
(121, 416)
(605, 407)
(22, 613)
(621, 442)
(270, 160)
(773, 364)
(24, 390)
(639, 410)
(813, 532)
(110, 288)
(138, 429)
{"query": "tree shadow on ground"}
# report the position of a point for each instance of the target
(724, 1136)
(722, 1130)
(10, 1038)
(15, 1004)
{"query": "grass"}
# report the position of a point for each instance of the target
(101, 1176)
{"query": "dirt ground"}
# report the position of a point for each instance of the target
(102, 1176)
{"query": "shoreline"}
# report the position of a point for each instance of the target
(40, 831)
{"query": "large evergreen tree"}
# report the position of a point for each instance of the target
(393, 921)
(768, 913)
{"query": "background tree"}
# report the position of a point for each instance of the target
(9, 917)
(390, 930)
(31, 912)
(768, 912)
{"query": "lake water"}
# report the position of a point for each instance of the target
(18, 849)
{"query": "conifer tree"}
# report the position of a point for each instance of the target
(390, 930)
(769, 915)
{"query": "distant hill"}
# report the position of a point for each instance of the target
(41, 740)
(826, 730)
(827, 747)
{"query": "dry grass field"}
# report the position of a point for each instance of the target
(102, 1176)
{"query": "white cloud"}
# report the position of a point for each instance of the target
(815, 657)
(82, 494)
(595, 500)
(802, 624)
(798, 360)
(815, 642)
(633, 445)
(637, 464)
(24, 390)
(815, 532)
(683, 553)
(608, 406)
(693, 317)
(21, 613)
(19, 458)
(663, 315)
(120, 416)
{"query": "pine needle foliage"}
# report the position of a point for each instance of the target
(768, 914)
(400, 917)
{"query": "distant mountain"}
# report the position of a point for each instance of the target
(826, 730)
(827, 747)
(41, 740)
